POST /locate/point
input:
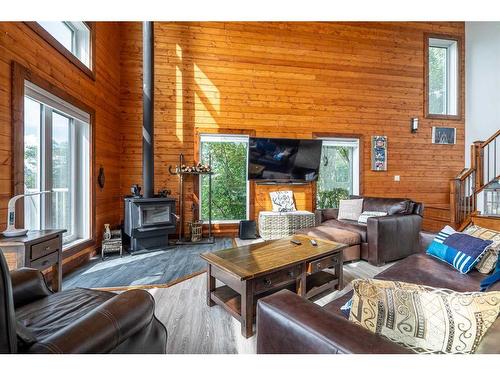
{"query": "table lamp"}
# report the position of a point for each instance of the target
(11, 230)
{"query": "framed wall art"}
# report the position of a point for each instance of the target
(379, 153)
(444, 136)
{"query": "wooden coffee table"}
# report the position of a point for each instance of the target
(254, 271)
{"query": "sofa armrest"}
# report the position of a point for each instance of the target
(103, 328)
(324, 214)
(424, 240)
(392, 237)
(28, 285)
(289, 324)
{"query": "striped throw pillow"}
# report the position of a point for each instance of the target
(458, 249)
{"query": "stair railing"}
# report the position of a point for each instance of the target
(485, 168)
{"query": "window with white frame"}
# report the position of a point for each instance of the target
(227, 155)
(443, 79)
(338, 172)
(74, 36)
(56, 159)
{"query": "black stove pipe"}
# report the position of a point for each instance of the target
(148, 109)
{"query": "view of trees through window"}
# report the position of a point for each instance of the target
(335, 179)
(437, 80)
(229, 181)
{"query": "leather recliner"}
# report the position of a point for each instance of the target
(33, 319)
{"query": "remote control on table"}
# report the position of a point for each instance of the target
(296, 242)
(314, 243)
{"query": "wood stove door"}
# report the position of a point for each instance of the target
(154, 214)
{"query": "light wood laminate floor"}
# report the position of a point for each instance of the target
(195, 328)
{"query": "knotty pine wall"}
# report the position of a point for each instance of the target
(19, 43)
(290, 80)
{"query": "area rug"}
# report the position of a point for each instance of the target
(158, 268)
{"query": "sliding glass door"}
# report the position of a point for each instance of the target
(338, 172)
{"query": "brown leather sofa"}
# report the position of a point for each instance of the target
(287, 323)
(381, 239)
(33, 319)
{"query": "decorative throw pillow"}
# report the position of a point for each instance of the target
(489, 260)
(422, 318)
(282, 201)
(350, 209)
(363, 218)
(458, 249)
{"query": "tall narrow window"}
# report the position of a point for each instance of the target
(228, 155)
(443, 78)
(56, 159)
(338, 172)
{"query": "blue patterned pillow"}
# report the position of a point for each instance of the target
(458, 249)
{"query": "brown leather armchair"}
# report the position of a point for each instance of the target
(33, 319)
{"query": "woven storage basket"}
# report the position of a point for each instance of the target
(276, 225)
(196, 230)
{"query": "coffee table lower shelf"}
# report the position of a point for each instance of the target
(230, 300)
(320, 282)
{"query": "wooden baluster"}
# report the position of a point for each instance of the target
(477, 163)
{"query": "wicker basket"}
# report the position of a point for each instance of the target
(276, 225)
(196, 228)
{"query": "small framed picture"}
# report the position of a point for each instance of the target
(379, 153)
(444, 136)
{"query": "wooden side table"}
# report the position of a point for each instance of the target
(40, 249)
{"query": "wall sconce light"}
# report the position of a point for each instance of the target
(414, 124)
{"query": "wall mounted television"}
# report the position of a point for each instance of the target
(284, 160)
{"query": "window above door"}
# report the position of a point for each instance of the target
(73, 39)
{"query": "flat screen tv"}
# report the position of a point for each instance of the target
(283, 160)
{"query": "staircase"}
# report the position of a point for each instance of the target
(476, 190)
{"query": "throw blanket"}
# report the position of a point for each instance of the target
(492, 279)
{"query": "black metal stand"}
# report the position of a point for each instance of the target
(182, 240)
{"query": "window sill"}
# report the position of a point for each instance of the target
(76, 246)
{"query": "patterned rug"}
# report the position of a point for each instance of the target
(158, 268)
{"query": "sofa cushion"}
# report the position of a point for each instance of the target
(458, 249)
(333, 234)
(49, 315)
(350, 209)
(390, 205)
(350, 225)
(422, 318)
(489, 260)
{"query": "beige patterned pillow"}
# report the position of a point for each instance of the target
(424, 319)
(488, 261)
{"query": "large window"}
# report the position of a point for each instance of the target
(338, 171)
(228, 155)
(443, 80)
(56, 159)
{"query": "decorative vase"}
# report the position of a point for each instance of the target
(107, 232)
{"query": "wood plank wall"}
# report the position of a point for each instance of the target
(291, 80)
(18, 42)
